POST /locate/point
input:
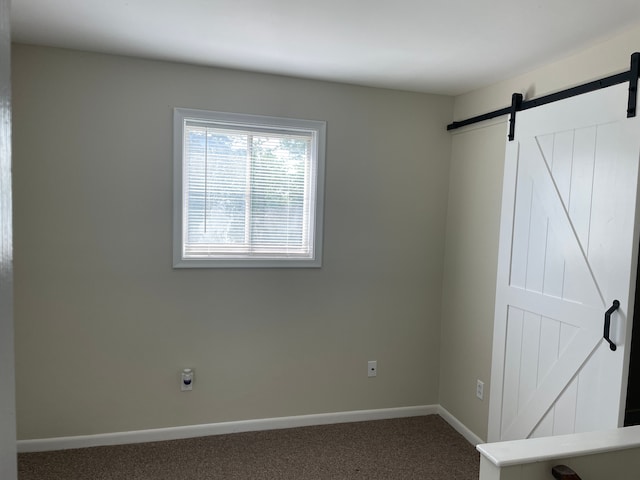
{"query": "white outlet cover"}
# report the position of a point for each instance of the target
(372, 368)
(186, 380)
(480, 390)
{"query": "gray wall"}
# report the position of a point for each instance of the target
(104, 324)
(7, 389)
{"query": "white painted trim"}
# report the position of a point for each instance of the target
(459, 427)
(314, 208)
(190, 431)
(517, 452)
(8, 466)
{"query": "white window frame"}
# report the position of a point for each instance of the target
(318, 128)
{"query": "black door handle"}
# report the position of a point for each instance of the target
(607, 324)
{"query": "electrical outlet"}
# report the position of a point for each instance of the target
(480, 390)
(186, 379)
(372, 368)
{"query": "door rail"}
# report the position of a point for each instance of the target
(630, 76)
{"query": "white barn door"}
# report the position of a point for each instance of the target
(568, 249)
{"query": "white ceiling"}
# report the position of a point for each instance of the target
(435, 46)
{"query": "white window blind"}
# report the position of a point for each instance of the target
(249, 190)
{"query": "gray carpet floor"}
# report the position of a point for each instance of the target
(408, 448)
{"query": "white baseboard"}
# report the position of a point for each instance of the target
(459, 427)
(174, 433)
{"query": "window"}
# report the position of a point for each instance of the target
(248, 190)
